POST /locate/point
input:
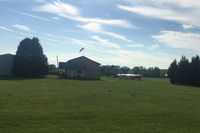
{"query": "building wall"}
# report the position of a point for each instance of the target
(75, 73)
(6, 63)
(91, 72)
(82, 68)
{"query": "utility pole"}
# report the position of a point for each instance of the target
(57, 61)
(57, 66)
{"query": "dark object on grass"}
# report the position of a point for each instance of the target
(133, 95)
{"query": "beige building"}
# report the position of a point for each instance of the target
(6, 63)
(82, 68)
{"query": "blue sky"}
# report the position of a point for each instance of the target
(120, 32)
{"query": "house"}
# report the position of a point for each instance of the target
(82, 68)
(6, 63)
(62, 65)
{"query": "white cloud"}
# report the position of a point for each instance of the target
(135, 45)
(153, 46)
(114, 35)
(181, 11)
(141, 46)
(4, 0)
(42, 1)
(105, 42)
(176, 39)
(97, 28)
(55, 18)
(58, 8)
(21, 27)
(134, 58)
(185, 26)
(155, 12)
(85, 44)
(115, 22)
(94, 27)
(16, 37)
(4, 28)
(50, 39)
(71, 12)
(49, 35)
(177, 3)
(30, 15)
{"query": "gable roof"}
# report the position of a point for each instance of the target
(3, 56)
(83, 58)
(80, 63)
(7, 55)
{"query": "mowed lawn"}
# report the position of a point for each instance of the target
(53, 105)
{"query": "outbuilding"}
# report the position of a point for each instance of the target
(82, 68)
(6, 63)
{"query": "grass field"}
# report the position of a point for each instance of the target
(53, 105)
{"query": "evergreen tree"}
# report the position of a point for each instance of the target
(172, 71)
(194, 74)
(182, 73)
(29, 59)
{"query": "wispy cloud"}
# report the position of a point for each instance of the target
(21, 27)
(154, 46)
(71, 12)
(49, 35)
(136, 45)
(97, 28)
(155, 12)
(42, 1)
(4, 0)
(94, 27)
(176, 39)
(85, 44)
(55, 18)
(114, 35)
(4, 28)
(181, 11)
(134, 58)
(58, 8)
(185, 26)
(114, 22)
(29, 15)
(105, 42)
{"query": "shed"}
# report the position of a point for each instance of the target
(82, 68)
(6, 63)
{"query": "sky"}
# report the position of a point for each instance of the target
(129, 33)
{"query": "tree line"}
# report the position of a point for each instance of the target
(185, 72)
(113, 70)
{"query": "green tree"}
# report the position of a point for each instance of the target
(156, 72)
(29, 59)
(110, 70)
(194, 74)
(136, 70)
(172, 71)
(140, 70)
(124, 70)
(182, 73)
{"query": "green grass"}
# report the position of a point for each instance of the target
(52, 105)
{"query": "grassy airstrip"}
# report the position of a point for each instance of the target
(51, 105)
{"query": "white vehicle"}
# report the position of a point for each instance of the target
(130, 76)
